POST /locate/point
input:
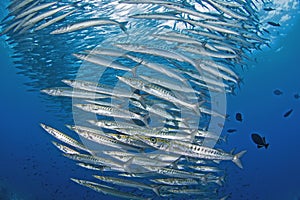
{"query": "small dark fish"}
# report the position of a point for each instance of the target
(239, 117)
(274, 23)
(260, 141)
(231, 130)
(288, 113)
(266, 30)
(277, 92)
(269, 9)
(296, 96)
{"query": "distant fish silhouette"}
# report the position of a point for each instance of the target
(288, 113)
(274, 24)
(231, 130)
(296, 96)
(277, 92)
(239, 117)
(261, 142)
(269, 9)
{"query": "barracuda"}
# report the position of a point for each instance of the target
(100, 88)
(23, 21)
(150, 50)
(113, 125)
(94, 167)
(127, 139)
(65, 138)
(170, 85)
(175, 181)
(54, 20)
(158, 92)
(64, 148)
(19, 5)
(158, 111)
(127, 183)
(111, 112)
(158, 67)
(191, 150)
(206, 53)
(89, 23)
(102, 61)
(45, 15)
(108, 190)
(95, 160)
(69, 92)
(175, 173)
(205, 168)
(35, 9)
(212, 27)
(102, 138)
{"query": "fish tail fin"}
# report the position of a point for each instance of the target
(196, 107)
(219, 182)
(225, 138)
(236, 158)
(266, 146)
(123, 26)
(127, 164)
(134, 69)
(156, 190)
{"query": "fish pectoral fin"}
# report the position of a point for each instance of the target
(260, 146)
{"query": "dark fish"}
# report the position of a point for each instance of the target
(274, 23)
(269, 9)
(296, 96)
(288, 113)
(231, 130)
(277, 92)
(261, 142)
(239, 117)
(266, 30)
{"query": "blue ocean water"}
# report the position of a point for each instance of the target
(31, 168)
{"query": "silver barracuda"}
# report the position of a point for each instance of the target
(94, 167)
(175, 173)
(204, 168)
(111, 112)
(170, 85)
(158, 92)
(65, 138)
(102, 61)
(89, 23)
(35, 9)
(158, 111)
(130, 140)
(100, 88)
(113, 125)
(22, 21)
(191, 150)
(102, 138)
(127, 183)
(158, 67)
(64, 148)
(40, 17)
(95, 160)
(108, 190)
(54, 20)
(69, 92)
(175, 181)
(19, 5)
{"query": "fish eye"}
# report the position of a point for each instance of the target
(153, 140)
(119, 136)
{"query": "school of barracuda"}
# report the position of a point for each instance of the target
(195, 47)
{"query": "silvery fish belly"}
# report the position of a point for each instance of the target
(142, 86)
